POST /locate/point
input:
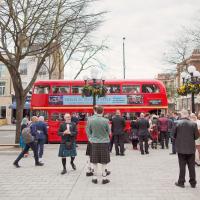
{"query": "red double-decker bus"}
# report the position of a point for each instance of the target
(54, 98)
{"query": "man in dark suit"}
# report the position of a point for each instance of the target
(185, 134)
(143, 133)
(118, 125)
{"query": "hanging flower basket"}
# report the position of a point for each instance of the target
(99, 90)
(188, 88)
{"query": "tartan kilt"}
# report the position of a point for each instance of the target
(88, 149)
(64, 152)
(100, 153)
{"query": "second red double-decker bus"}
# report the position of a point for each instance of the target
(54, 98)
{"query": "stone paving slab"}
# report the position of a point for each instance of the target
(133, 177)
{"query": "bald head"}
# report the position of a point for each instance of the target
(184, 114)
(118, 112)
(141, 115)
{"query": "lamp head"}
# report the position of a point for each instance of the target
(85, 77)
(183, 74)
(191, 69)
(94, 73)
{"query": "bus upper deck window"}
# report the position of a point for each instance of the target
(77, 89)
(60, 89)
(132, 89)
(113, 88)
(150, 88)
(41, 90)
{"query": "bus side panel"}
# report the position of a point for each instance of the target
(81, 136)
(53, 131)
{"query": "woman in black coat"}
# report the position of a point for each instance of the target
(68, 132)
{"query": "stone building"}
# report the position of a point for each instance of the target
(7, 96)
(168, 80)
(184, 102)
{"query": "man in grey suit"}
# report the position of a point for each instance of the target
(143, 133)
(118, 125)
(185, 134)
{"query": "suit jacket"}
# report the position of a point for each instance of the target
(185, 134)
(143, 125)
(118, 125)
(67, 138)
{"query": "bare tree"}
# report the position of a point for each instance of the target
(87, 57)
(34, 28)
(179, 50)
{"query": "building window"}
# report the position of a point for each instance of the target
(23, 69)
(2, 88)
(2, 70)
(2, 112)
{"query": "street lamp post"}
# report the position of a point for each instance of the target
(124, 65)
(192, 76)
(94, 82)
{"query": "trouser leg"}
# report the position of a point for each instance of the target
(141, 144)
(182, 165)
(116, 141)
(41, 147)
(33, 146)
(173, 146)
(72, 159)
(162, 139)
(191, 168)
(121, 143)
(146, 144)
(111, 143)
(167, 140)
(21, 155)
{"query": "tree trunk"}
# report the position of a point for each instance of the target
(19, 115)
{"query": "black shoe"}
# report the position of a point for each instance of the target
(193, 185)
(122, 154)
(73, 166)
(142, 153)
(105, 181)
(94, 181)
(39, 164)
(117, 154)
(89, 173)
(147, 152)
(16, 165)
(179, 185)
(64, 171)
(108, 172)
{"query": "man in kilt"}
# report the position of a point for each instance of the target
(98, 134)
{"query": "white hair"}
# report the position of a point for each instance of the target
(184, 114)
(41, 118)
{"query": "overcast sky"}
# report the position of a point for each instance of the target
(148, 26)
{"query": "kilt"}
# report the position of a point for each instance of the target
(100, 153)
(88, 149)
(64, 152)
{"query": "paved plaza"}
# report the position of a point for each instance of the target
(133, 177)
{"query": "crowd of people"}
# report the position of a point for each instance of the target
(145, 130)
